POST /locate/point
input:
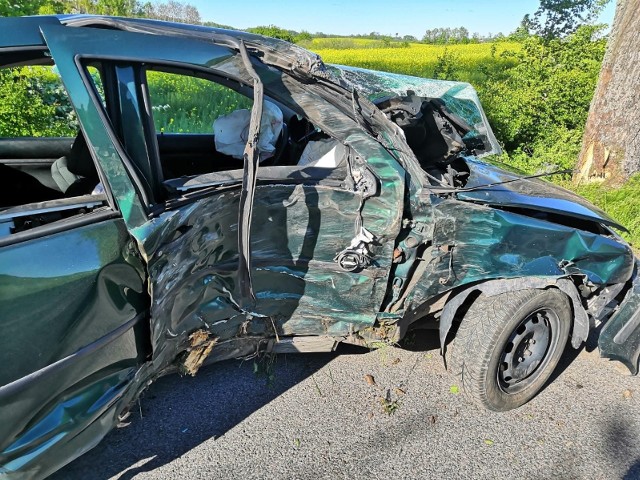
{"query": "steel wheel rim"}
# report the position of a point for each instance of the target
(526, 352)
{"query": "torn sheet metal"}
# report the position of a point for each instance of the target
(251, 160)
(474, 243)
(620, 337)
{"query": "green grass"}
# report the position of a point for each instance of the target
(623, 204)
(183, 104)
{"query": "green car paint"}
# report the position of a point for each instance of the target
(73, 306)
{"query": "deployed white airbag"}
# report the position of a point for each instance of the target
(232, 131)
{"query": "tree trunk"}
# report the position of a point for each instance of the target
(611, 142)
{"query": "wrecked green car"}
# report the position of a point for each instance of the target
(225, 194)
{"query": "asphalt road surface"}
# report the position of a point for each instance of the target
(321, 416)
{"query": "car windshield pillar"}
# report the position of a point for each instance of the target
(250, 169)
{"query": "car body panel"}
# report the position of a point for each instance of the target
(286, 56)
(620, 338)
(473, 243)
(76, 335)
(528, 193)
(24, 31)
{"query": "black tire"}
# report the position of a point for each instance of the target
(508, 345)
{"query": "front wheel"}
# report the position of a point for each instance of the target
(508, 345)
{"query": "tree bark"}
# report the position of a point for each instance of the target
(611, 142)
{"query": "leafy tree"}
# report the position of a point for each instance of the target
(523, 31)
(121, 8)
(445, 67)
(42, 7)
(443, 36)
(34, 103)
(273, 31)
(539, 106)
(13, 8)
(303, 36)
(558, 18)
(172, 11)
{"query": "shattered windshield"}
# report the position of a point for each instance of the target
(459, 97)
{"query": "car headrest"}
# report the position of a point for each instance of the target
(79, 160)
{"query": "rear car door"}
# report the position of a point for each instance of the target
(308, 228)
(73, 300)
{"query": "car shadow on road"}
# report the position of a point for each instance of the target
(620, 442)
(570, 353)
(176, 414)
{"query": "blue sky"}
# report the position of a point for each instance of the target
(405, 17)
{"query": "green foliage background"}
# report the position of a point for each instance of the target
(180, 103)
(33, 103)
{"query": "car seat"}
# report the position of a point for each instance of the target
(75, 173)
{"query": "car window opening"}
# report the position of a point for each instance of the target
(47, 172)
(201, 127)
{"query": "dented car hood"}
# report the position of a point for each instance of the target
(526, 193)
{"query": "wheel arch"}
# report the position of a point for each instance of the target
(490, 288)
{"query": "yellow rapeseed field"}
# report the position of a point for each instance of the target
(468, 62)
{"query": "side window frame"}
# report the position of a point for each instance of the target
(160, 200)
(101, 206)
(154, 197)
(288, 171)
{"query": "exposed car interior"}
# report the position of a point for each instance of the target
(36, 169)
(194, 154)
(189, 161)
(46, 179)
(25, 169)
(48, 174)
(437, 136)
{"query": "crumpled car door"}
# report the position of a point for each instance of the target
(308, 240)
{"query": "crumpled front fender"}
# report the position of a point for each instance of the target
(495, 287)
(620, 337)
